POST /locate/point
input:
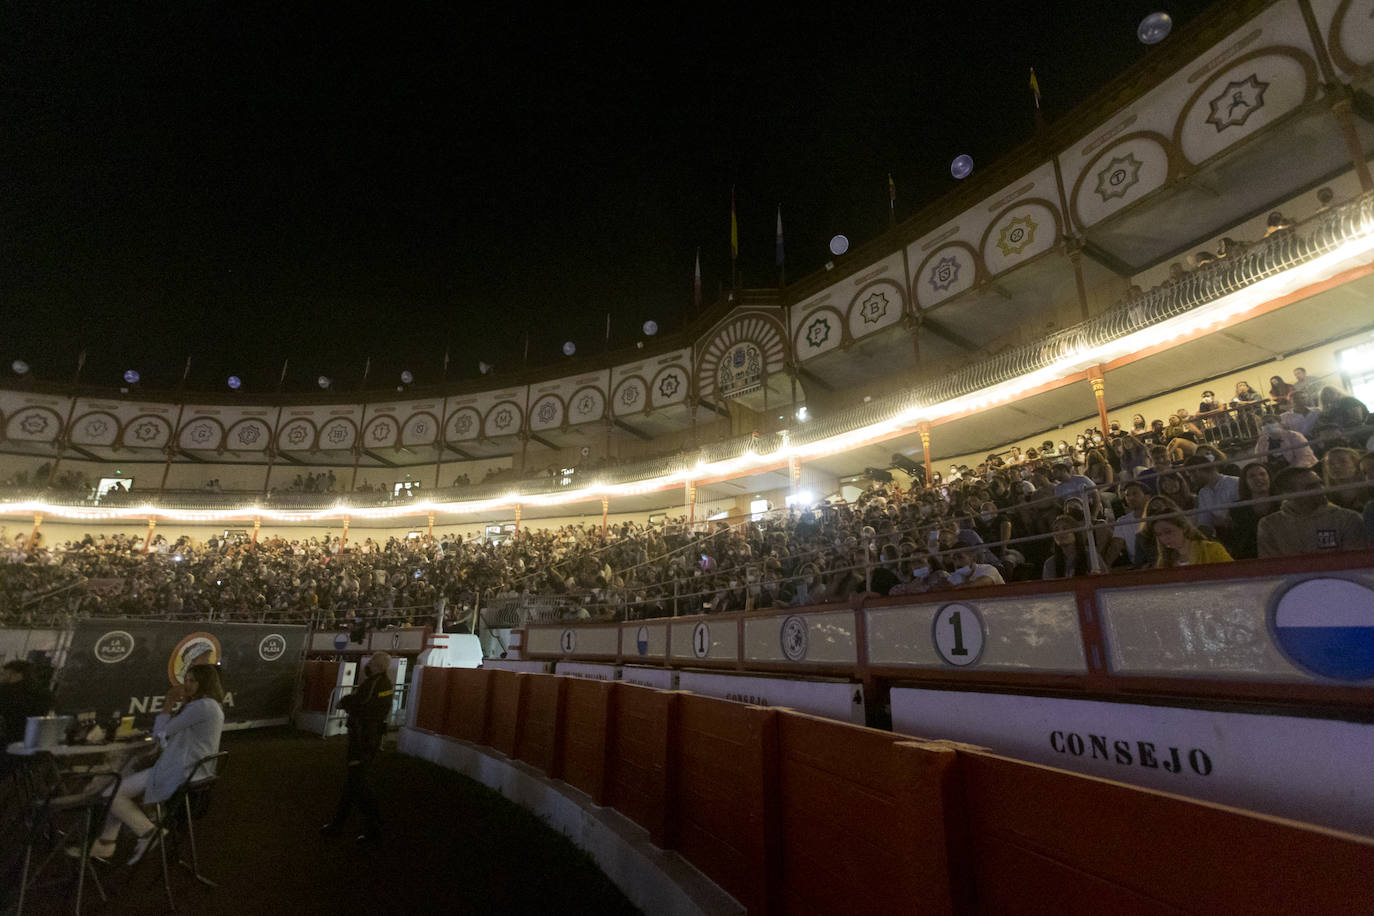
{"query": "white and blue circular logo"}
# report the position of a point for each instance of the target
(341, 641)
(1326, 627)
(642, 641)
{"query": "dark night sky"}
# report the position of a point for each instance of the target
(246, 182)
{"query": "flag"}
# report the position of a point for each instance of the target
(186, 373)
(367, 367)
(284, 363)
(1035, 88)
(696, 283)
(891, 199)
(779, 251)
(734, 227)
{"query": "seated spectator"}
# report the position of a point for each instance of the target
(1180, 543)
(1279, 391)
(1307, 521)
(968, 573)
(1070, 556)
(1341, 467)
(1215, 494)
(1281, 448)
(1300, 416)
(1174, 486)
(1127, 526)
(1254, 485)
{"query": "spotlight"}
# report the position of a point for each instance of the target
(20, 367)
(569, 348)
(407, 377)
(650, 328)
(962, 166)
(803, 414)
(131, 376)
(235, 382)
(1154, 28)
(323, 381)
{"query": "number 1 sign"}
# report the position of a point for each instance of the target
(958, 634)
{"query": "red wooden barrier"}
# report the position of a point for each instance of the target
(504, 709)
(724, 801)
(862, 820)
(581, 756)
(1049, 841)
(637, 758)
(466, 717)
(317, 681)
(538, 736)
(433, 699)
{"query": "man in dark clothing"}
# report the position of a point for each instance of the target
(368, 707)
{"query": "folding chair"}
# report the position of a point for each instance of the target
(188, 802)
(48, 806)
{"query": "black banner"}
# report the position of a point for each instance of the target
(128, 664)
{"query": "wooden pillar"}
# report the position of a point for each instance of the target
(343, 541)
(257, 527)
(924, 430)
(1076, 260)
(793, 473)
(1096, 378)
(691, 503)
(148, 541)
(605, 512)
(517, 518)
(33, 535)
(431, 526)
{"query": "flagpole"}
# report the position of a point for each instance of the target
(781, 254)
(276, 430)
(362, 428)
(734, 243)
(181, 409)
(66, 432)
(440, 440)
(891, 201)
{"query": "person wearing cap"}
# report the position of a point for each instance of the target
(368, 707)
(1215, 493)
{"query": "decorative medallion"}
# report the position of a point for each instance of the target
(1237, 102)
(818, 332)
(504, 418)
(586, 404)
(96, 427)
(944, 273)
(202, 433)
(668, 386)
(338, 434)
(463, 425)
(420, 428)
(1018, 233)
(379, 432)
(874, 308)
(34, 424)
(1118, 177)
(629, 395)
(296, 434)
(146, 431)
(546, 412)
(249, 434)
(794, 639)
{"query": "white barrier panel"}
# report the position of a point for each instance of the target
(1316, 629)
(648, 640)
(658, 678)
(573, 641)
(407, 639)
(817, 638)
(1027, 633)
(840, 700)
(1313, 770)
(702, 639)
(589, 672)
(336, 642)
(503, 664)
(19, 643)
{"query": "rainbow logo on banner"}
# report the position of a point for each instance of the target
(1326, 626)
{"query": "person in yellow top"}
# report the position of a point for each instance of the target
(1180, 543)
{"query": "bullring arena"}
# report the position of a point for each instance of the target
(1021, 561)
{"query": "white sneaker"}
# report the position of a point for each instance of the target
(145, 842)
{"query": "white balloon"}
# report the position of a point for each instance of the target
(569, 348)
(650, 328)
(1154, 28)
(962, 166)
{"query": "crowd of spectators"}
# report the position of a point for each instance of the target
(1254, 477)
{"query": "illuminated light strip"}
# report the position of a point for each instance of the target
(1226, 309)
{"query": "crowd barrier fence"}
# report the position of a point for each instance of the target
(791, 813)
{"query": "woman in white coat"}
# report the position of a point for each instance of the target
(187, 735)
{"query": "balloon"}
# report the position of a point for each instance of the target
(961, 166)
(569, 348)
(20, 367)
(407, 377)
(650, 328)
(839, 245)
(323, 381)
(235, 382)
(1154, 28)
(131, 376)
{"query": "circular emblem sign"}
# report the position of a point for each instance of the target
(701, 640)
(792, 635)
(272, 647)
(568, 641)
(195, 649)
(642, 641)
(341, 641)
(114, 646)
(958, 634)
(1326, 627)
